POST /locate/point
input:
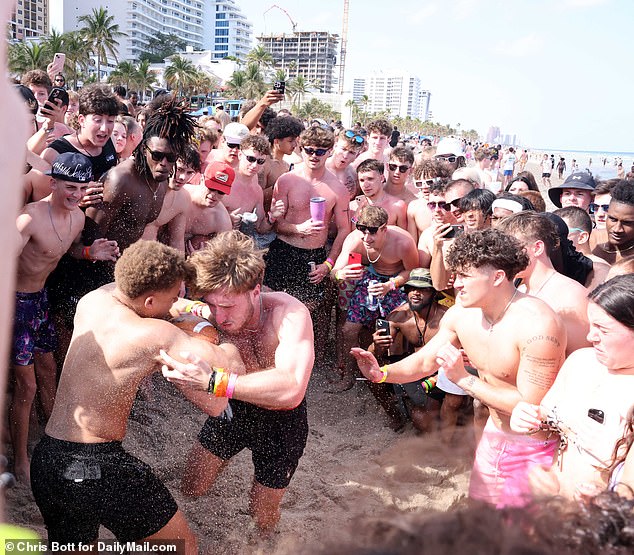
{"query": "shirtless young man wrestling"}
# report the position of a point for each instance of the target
(81, 476)
(516, 342)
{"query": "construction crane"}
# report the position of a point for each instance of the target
(344, 45)
(287, 15)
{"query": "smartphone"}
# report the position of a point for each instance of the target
(279, 86)
(383, 326)
(597, 415)
(57, 93)
(454, 231)
(60, 59)
(354, 258)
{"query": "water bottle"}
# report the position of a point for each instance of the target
(372, 302)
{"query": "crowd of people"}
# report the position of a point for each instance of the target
(233, 255)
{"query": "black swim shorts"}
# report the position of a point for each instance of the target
(78, 486)
(276, 438)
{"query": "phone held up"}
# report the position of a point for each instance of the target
(57, 93)
(455, 231)
(383, 326)
(279, 86)
(354, 258)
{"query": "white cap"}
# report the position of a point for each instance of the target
(449, 145)
(235, 132)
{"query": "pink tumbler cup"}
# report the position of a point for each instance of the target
(318, 208)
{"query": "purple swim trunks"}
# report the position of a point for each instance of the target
(358, 311)
(33, 329)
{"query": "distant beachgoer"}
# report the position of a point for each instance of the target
(561, 167)
(620, 172)
(546, 170)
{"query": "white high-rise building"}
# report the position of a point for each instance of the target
(398, 92)
(216, 25)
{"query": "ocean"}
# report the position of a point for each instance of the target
(590, 160)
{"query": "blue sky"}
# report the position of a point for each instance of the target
(554, 72)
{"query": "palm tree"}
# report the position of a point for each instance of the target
(180, 74)
(25, 56)
(298, 88)
(123, 74)
(77, 56)
(144, 78)
(254, 85)
(260, 57)
(101, 33)
(234, 87)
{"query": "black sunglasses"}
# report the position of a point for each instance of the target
(371, 229)
(252, 159)
(440, 204)
(455, 202)
(593, 207)
(316, 151)
(402, 168)
(233, 145)
(157, 155)
(350, 134)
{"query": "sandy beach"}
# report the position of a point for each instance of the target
(354, 467)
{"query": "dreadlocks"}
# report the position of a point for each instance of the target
(169, 120)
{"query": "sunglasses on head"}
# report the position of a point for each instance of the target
(371, 229)
(350, 134)
(233, 145)
(447, 158)
(157, 155)
(252, 159)
(316, 151)
(593, 207)
(402, 168)
(439, 204)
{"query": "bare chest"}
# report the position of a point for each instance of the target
(242, 197)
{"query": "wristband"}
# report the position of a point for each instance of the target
(338, 276)
(189, 307)
(86, 253)
(222, 380)
(384, 370)
(233, 378)
(392, 283)
(328, 264)
(330, 261)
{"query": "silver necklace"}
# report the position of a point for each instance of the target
(497, 320)
(542, 285)
(70, 224)
(153, 191)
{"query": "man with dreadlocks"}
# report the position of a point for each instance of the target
(134, 190)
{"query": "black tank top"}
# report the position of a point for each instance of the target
(100, 163)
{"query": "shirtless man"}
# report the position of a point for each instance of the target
(515, 341)
(405, 337)
(388, 253)
(48, 228)
(379, 132)
(207, 215)
(371, 174)
(81, 476)
(229, 146)
(348, 146)
(441, 221)
(399, 168)
(619, 225)
(274, 336)
(579, 231)
(589, 402)
(245, 201)
(134, 191)
(283, 133)
(300, 239)
(176, 204)
(564, 295)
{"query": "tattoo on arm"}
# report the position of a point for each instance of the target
(550, 338)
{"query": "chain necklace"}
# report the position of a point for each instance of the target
(421, 335)
(491, 324)
(542, 285)
(367, 252)
(70, 224)
(82, 145)
(153, 191)
(617, 250)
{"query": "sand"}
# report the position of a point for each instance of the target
(354, 467)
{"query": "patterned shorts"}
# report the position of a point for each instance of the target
(33, 329)
(358, 310)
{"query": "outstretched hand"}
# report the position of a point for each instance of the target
(367, 364)
(194, 373)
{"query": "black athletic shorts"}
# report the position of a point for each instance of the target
(78, 486)
(276, 438)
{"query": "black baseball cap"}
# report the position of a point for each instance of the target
(72, 166)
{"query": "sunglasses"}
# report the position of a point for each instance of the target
(316, 151)
(451, 159)
(157, 155)
(592, 207)
(440, 204)
(252, 159)
(352, 135)
(402, 168)
(233, 145)
(371, 229)
(455, 202)
(422, 183)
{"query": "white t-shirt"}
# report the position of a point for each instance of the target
(509, 163)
